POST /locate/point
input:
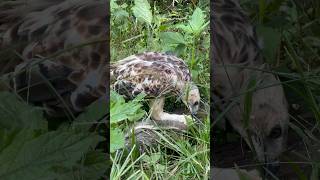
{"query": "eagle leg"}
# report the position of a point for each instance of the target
(156, 107)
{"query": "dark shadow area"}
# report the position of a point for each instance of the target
(265, 87)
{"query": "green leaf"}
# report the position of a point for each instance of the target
(196, 24)
(120, 14)
(95, 112)
(142, 12)
(116, 98)
(152, 158)
(172, 38)
(116, 139)
(120, 110)
(92, 167)
(15, 113)
(31, 156)
(185, 28)
(113, 5)
(197, 20)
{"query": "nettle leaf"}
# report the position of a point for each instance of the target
(113, 5)
(197, 20)
(117, 139)
(185, 28)
(196, 24)
(152, 158)
(32, 156)
(96, 163)
(121, 14)
(115, 98)
(142, 12)
(139, 97)
(174, 38)
(120, 110)
(93, 114)
(92, 167)
(118, 11)
(15, 113)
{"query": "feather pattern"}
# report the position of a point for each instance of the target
(38, 29)
(155, 74)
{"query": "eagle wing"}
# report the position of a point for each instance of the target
(152, 73)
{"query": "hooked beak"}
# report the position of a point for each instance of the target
(195, 118)
(193, 110)
(270, 168)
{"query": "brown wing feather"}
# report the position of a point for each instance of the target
(46, 27)
(153, 73)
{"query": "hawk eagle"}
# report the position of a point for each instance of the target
(157, 75)
(236, 52)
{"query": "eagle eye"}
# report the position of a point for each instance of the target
(275, 133)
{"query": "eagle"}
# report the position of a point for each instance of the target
(239, 69)
(58, 52)
(157, 75)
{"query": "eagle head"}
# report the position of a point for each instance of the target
(192, 98)
(266, 132)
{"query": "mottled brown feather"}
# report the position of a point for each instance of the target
(152, 73)
(45, 27)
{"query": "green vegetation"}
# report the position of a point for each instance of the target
(31, 150)
(141, 25)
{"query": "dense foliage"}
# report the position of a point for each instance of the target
(30, 149)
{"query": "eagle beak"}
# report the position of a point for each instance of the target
(193, 112)
(270, 168)
(194, 117)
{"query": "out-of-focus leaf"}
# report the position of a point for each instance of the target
(32, 156)
(172, 38)
(92, 167)
(197, 20)
(96, 111)
(196, 24)
(142, 12)
(116, 139)
(15, 113)
(152, 158)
